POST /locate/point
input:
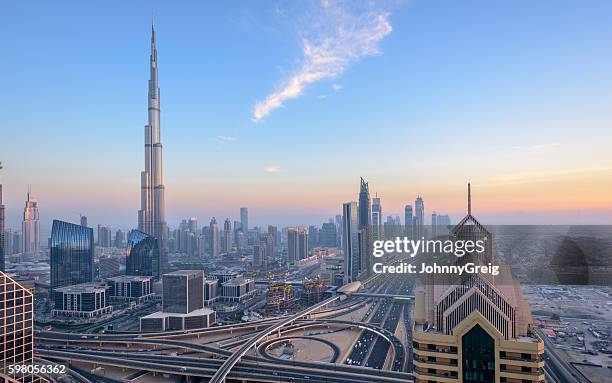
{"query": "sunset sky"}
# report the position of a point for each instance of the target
(281, 106)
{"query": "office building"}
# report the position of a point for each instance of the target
(419, 218)
(119, 238)
(16, 327)
(152, 213)
(143, 256)
(182, 291)
(377, 220)
(226, 242)
(297, 244)
(192, 225)
(408, 222)
(85, 300)
(211, 291)
(313, 237)
(239, 289)
(476, 327)
(84, 220)
(130, 288)
(327, 236)
(213, 244)
(30, 227)
(350, 241)
(244, 220)
(223, 276)
(3, 236)
(365, 227)
(182, 304)
(71, 254)
(273, 231)
(104, 236)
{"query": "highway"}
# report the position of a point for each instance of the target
(230, 362)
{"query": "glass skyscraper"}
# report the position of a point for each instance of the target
(72, 254)
(142, 255)
(16, 328)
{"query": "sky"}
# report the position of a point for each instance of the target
(282, 106)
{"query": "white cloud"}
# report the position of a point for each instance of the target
(337, 87)
(322, 96)
(271, 169)
(338, 35)
(227, 138)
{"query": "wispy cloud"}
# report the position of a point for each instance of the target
(271, 169)
(340, 34)
(337, 87)
(227, 138)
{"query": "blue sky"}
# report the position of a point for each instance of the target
(421, 96)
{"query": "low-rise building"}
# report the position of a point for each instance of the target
(211, 291)
(85, 300)
(239, 289)
(161, 321)
(133, 288)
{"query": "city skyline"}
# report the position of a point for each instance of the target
(531, 178)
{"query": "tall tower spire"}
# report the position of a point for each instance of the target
(152, 213)
(469, 199)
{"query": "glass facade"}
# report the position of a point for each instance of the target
(16, 327)
(478, 349)
(72, 254)
(142, 255)
(182, 291)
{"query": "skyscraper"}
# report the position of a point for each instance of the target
(72, 254)
(408, 221)
(104, 236)
(474, 328)
(226, 243)
(119, 238)
(30, 226)
(377, 222)
(350, 241)
(84, 220)
(297, 244)
(244, 220)
(419, 218)
(152, 213)
(17, 330)
(213, 237)
(142, 255)
(3, 241)
(365, 227)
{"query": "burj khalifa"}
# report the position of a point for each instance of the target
(152, 213)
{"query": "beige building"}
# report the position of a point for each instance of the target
(474, 328)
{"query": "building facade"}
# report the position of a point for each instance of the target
(182, 291)
(143, 256)
(350, 242)
(474, 328)
(297, 244)
(85, 300)
(30, 227)
(17, 327)
(130, 288)
(71, 254)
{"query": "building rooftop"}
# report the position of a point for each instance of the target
(161, 314)
(238, 281)
(130, 278)
(185, 272)
(91, 287)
